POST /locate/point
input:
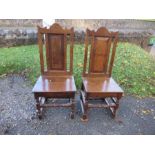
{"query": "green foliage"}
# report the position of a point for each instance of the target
(152, 40)
(134, 68)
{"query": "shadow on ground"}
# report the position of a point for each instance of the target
(17, 114)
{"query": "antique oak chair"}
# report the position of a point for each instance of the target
(56, 80)
(97, 82)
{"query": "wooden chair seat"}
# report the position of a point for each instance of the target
(55, 84)
(101, 86)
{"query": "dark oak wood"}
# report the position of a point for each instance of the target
(97, 82)
(55, 80)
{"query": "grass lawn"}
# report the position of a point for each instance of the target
(134, 69)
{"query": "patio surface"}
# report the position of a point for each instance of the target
(17, 115)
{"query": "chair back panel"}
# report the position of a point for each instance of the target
(102, 52)
(55, 41)
(99, 55)
(56, 52)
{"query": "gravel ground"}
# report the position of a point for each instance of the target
(17, 114)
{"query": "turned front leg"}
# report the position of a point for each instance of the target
(85, 114)
(115, 109)
(38, 107)
(84, 106)
(72, 102)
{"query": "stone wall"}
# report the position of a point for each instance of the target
(15, 32)
(130, 30)
(23, 31)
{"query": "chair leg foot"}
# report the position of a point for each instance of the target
(84, 107)
(72, 116)
(84, 118)
(39, 113)
(46, 99)
(40, 117)
(38, 108)
(72, 113)
(115, 109)
(113, 115)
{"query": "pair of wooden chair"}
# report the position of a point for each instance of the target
(57, 81)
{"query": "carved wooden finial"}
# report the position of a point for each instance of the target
(56, 26)
(102, 31)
